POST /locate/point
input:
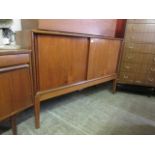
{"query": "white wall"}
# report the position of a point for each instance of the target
(16, 26)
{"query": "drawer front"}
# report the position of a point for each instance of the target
(141, 21)
(11, 60)
(132, 78)
(133, 68)
(131, 57)
(140, 28)
(150, 79)
(140, 79)
(138, 58)
(138, 47)
(152, 59)
(151, 69)
(126, 77)
(140, 37)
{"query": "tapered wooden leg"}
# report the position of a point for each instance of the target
(37, 112)
(114, 86)
(13, 125)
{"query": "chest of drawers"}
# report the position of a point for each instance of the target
(138, 60)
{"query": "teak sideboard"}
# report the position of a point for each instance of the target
(15, 83)
(65, 62)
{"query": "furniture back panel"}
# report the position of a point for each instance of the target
(104, 27)
(103, 57)
(61, 60)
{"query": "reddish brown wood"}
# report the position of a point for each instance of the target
(105, 27)
(62, 60)
(15, 84)
(120, 28)
(11, 60)
(103, 57)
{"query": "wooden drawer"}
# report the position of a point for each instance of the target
(132, 57)
(134, 68)
(140, 28)
(141, 21)
(11, 60)
(125, 77)
(140, 79)
(140, 37)
(151, 60)
(150, 79)
(138, 58)
(139, 47)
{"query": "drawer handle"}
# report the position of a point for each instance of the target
(138, 81)
(150, 79)
(154, 59)
(127, 67)
(129, 57)
(130, 47)
(153, 69)
(125, 77)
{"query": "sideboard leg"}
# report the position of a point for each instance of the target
(37, 112)
(13, 125)
(114, 86)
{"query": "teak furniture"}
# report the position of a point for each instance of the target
(65, 62)
(15, 83)
(138, 59)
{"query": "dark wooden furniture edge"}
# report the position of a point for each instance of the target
(62, 33)
(13, 52)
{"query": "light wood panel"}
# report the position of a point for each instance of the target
(11, 60)
(65, 62)
(103, 57)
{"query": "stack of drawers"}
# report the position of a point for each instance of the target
(138, 60)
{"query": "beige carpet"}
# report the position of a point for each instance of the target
(93, 111)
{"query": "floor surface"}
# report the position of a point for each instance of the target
(93, 111)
